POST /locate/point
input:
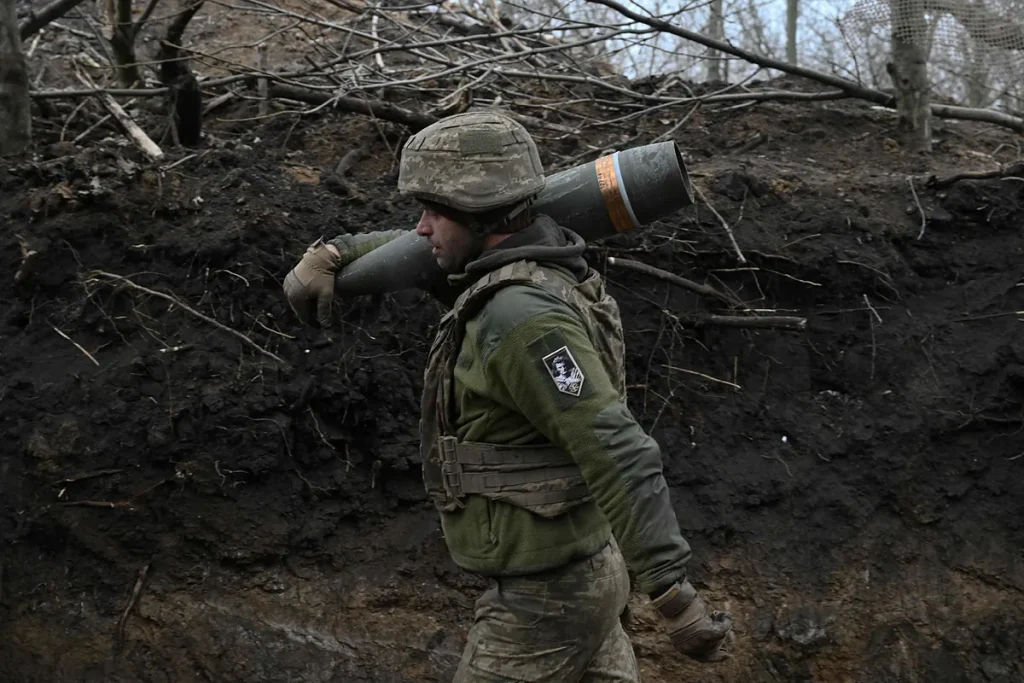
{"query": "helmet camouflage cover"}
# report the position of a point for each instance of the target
(473, 162)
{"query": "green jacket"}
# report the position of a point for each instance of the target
(504, 394)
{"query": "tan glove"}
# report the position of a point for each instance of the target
(694, 632)
(311, 283)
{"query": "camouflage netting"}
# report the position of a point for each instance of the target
(957, 34)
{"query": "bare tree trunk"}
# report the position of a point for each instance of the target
(978, 78)
(909, 72)
(185, 99)
(716, 29)
(792, 12)
(15, 117)
(122, 42)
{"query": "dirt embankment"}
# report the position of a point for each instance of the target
(857, 502)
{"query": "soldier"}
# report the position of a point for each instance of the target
(538, 469)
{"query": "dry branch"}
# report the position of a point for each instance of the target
(375, 108)
(131, 129)
(783, 322)
(703, 290)
(55, 10)
(92, 92)
(725, 224)
(177, 302)
(759, 321)
(76, 345)
(920, 209)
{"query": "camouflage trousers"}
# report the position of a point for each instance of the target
(560, 626)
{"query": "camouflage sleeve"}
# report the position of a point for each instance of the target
(547, 366)
(354, 246)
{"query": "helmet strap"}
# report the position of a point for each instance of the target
(503, 221)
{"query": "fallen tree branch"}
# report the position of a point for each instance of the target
(131, 129)
(55, 10)
(1015, 168)
(174, 300)
(93, 92)
(375, 108)
(847, 86)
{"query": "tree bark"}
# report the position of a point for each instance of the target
(909, 72)
(122, 42)
(716, 29)
(55, 10)
(15, 115)
(792, 13)
(185, 98)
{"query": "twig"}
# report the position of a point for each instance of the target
(701, 374)
(86, 475)
(179, 162)
(110, 504)
(136, 591)
(77, 345)
(872, 309)
(986, 316)
(270, 329)
(705, 290)
(779, 458)
(871, 322)
(189, 309)
(728, 230)
(107, 504)
(924, 221)
(782, 322)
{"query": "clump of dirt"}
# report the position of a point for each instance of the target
(178, 505)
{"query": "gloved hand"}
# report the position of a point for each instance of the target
(694, 632)
(311, 283)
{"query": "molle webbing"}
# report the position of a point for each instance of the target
(527, 476)
(542, 479)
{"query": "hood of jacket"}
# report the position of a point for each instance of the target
(543, 241)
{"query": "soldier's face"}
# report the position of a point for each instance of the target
(452, 243)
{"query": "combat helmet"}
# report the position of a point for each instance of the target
(484, 165)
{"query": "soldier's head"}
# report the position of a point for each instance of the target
(476, 175)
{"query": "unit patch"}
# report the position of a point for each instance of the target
(564, 371)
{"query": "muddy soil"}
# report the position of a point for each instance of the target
(857, 501)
